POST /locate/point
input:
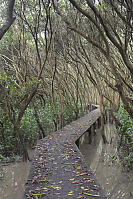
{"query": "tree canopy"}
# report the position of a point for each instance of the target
(59, 56)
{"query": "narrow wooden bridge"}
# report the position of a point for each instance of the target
(59, 169)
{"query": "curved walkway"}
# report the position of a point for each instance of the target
(59, 169)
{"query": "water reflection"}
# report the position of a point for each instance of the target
(15, 175)
(105, 163)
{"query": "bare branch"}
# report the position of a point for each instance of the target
(9, 18)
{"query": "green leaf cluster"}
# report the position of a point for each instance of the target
(127, 129)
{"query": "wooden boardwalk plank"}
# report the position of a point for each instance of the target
(59, 169)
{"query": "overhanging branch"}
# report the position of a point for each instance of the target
(9, 18)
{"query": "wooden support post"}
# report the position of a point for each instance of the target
(94, 126)
(89, 107)
(99, 122)
(104, 119)
(94, 132)
(90, 135)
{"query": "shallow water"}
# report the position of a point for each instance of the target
(104, 161)
(14, 177)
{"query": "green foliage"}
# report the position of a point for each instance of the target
(128, 160)
(6, 42)
(71, 111)
(126, 122)
(46, 117)
(7, 140)
(127, 128)
(9, 159)
(29, 128)
(12, 100)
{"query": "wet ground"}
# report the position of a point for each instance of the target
(13, 179)
(105, 163)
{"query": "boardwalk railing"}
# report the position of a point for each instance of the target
(59, 169)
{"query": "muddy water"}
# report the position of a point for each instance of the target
(14, 177)
(104, 161)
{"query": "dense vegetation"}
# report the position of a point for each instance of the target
(125, 132)
(56, 58)
(30, 129)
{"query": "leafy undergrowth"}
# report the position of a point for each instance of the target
(11, 146)
(126, 138)
(9, 159)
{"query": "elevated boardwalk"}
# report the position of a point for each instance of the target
(59, 169)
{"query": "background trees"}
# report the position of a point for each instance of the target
(109, 36)
(57, 58)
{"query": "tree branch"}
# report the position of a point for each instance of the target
(9, 18)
